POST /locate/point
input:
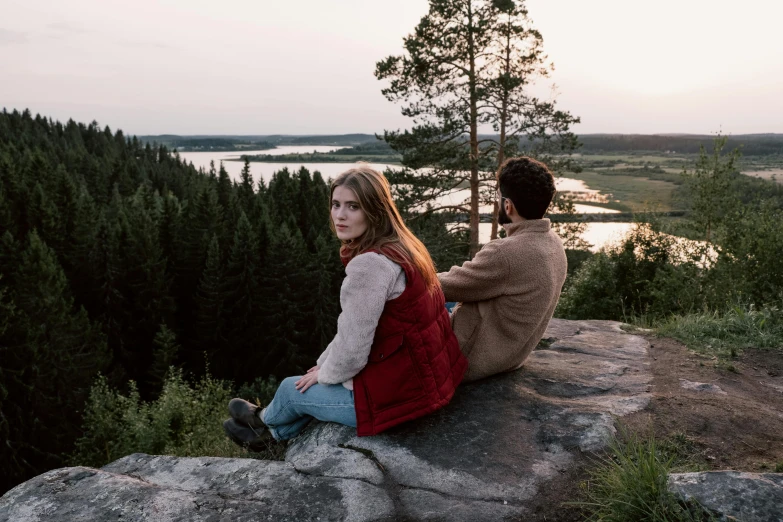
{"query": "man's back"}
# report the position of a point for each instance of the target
(508, 293)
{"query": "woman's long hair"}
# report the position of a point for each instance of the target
(385, 226)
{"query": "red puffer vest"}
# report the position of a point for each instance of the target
(415, 363)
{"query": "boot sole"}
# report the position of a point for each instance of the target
(256, 445)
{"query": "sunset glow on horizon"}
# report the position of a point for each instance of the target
(244, 67)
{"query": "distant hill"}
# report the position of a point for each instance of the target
(237, 142)
(750, 144)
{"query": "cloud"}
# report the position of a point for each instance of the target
(61, 29)
(8, 37)
(141, 43)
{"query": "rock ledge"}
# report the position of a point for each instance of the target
(484, 457)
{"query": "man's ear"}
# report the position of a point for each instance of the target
(510, 210)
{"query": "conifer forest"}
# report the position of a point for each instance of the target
(118, 259)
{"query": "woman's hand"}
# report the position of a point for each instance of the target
(307, 380)
(314, 368)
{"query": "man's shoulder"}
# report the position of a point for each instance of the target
(544, 249)
(528, 242)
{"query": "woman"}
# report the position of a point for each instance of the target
(395, 357)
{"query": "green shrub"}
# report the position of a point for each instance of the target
(576, 259)
(185, 420)
(631, 484)
(751, 264)
(648, 273)
(591, 292)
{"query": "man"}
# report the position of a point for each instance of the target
(507, 293)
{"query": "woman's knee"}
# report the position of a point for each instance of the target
(288, 386)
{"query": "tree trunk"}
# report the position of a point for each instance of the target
(501, 159)
(474, 175)
(502, 139)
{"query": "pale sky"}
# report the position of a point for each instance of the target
(306, 66)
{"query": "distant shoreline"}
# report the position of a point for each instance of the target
(317, 158)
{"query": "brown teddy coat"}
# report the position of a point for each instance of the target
(507, 294)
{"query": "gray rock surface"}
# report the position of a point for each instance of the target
(733, 495)
(483, 457)
(701, 387)
(144, 487)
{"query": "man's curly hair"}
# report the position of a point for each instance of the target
(528, 184)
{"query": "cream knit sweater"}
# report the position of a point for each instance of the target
(507, 294)
(370, 280)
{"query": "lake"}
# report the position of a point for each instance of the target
(597, 234)
(265, 170)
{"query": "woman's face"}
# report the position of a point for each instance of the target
(349, 219)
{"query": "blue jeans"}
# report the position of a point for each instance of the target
(290, 411)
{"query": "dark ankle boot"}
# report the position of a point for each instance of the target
(245, 413)
(245, 436)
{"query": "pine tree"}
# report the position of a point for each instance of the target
(164, 357)
(209, 306)
(709, 184)
(526, 124)
(288, 311)
(282, 197)
(107, 302)
(6, 313)
(7, 223)
(15, 195)
(148, 286)
(212, 172)
(224, 188)
(10, 256)
(14, 465)
(75, 226)
(203, 219)
(467, 63)
(169, 227)
(313, 206)
(241, 313)
(43, 215)
(245, 194)
(52, 354)
(327, 269)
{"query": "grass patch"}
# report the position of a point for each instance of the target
(630, 482)
(638, 158)
(683, 454)
(727, 334)
(185, 420)
(611, 205)
(634, 192)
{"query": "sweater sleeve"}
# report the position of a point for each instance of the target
(323, 356)
(369, 280)
(483, 277)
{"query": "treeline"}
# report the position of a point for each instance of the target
(187, 144)
(372, 148)
(343, 140)
(749, 144)
(117, 257)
